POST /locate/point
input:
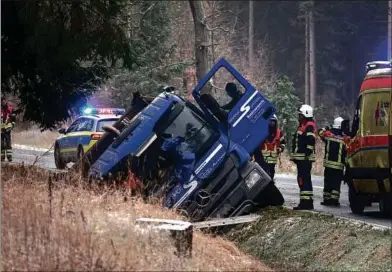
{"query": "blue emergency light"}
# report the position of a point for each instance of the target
(104, 111)
(88, 110)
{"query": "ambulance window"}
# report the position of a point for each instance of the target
(357, 115)
(375, 113)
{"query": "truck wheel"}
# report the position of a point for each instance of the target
(386, 205)
(357, 202)
(270, 196)
(58, 161)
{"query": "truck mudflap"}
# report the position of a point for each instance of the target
(231, 192)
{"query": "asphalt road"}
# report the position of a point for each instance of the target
(286, 183)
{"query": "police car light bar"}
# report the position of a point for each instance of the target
(111, 111)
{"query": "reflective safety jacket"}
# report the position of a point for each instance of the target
(335, 148)
(304, 140)
(269, 148)
(7, 119)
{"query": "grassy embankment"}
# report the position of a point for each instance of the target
(303, 241)
(83, 230)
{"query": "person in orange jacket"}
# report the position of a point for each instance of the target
(272, 146)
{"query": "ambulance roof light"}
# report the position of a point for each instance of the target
(377, 65)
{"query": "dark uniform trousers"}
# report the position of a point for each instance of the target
(304, 180)
(6, 147)
(271, 169)
(332, 182)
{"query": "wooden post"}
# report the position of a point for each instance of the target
(389, 29)
(307, 57)
(312, 59)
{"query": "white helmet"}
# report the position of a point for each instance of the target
(274, 117)
(337, 122)
(306, 111)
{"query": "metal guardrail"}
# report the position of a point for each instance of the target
(182, 231)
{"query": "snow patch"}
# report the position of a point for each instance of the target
(32, 148)
(292, 176)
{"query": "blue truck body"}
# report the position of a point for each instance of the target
(208, 151)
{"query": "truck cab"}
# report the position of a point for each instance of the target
(368, 166)
(198, 155)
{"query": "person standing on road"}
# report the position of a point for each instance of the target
(303, 155)
(7, 124)
(272, 146)
(334, 161)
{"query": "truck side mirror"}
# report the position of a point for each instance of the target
(62, 131)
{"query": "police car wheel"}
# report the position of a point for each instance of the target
(58, 161)
(80, 153)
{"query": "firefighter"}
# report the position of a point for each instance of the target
(334, 161)
(7, 124)
(273, 145)
(303, 155)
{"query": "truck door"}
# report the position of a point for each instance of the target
(246, 117)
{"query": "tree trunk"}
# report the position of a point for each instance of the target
(389, 29)
(312, 59)
(201, 41)
(307, 57)
(250, 38)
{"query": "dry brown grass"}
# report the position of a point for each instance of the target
(90, 230)
(34, 137)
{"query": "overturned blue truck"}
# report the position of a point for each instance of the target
(198, 157)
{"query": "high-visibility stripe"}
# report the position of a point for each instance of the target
(310, 134)
(340, 152)
(65, 150)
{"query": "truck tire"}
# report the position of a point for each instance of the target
(386, 205)
(357, 202)
(270, 196)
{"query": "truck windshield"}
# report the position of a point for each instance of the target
(197, 133)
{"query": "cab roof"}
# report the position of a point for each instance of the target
(378, 75)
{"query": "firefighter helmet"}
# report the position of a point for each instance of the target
(337, 122)
(306, 111)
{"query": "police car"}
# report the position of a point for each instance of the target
(83, 133)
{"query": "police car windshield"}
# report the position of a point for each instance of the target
(105, 122)
(190, 125)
